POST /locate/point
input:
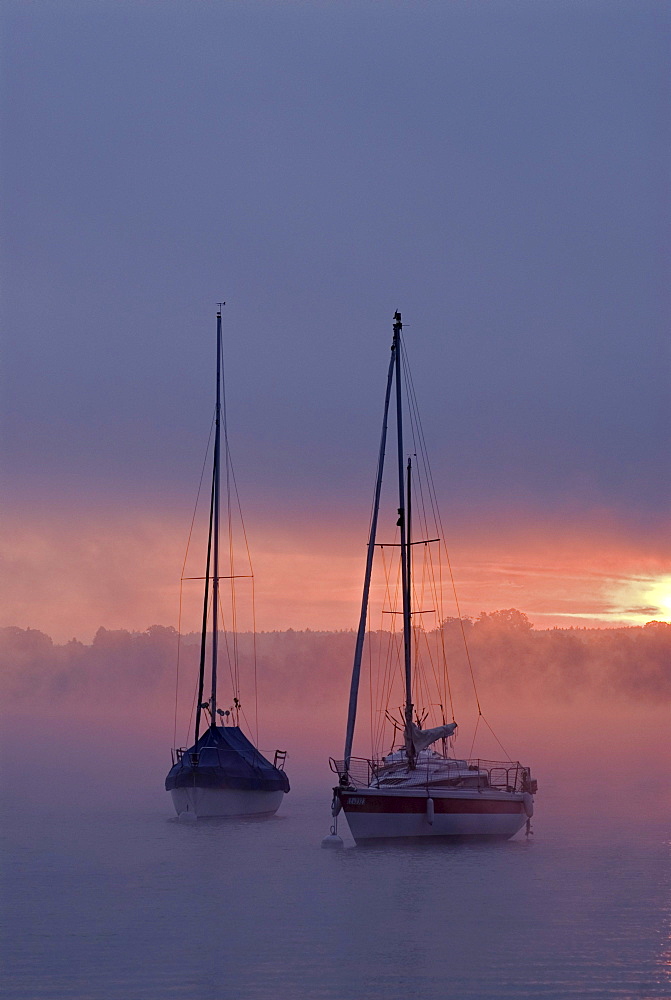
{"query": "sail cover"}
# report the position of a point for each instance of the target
(423, 738)
(223, 757)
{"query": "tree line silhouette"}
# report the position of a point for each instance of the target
(506, 651)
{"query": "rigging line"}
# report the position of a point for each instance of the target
(433, 498)
(181, 581)
(380, 677)
(224, 632)
(463, 630)
(425, 685)
(415, 426)
(379, 646)
(446, 673)
(436, 590)
(436, 511)
(195, 693)
(239, 507)
(227, 459)
(475, 733)
(256, 686)
(394, 669)
(369, 644)
(370, 552)
(231, 562)
(497, 739)
(430, 572)
(179, 642)
(374, 638)
(417, 629)
(251, 570)
(200, 486)
(442, 639)
(395, 673)
(231, 479)
(377, 730)
(417, 420)
(385, 671)
(193, 708)
(397, 648)
(246, 721)
(191, 712)
(431, 660)
(393, 650)
(206, 608)
(437, 593)
(374, 682)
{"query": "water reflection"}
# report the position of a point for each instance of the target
(105, 906)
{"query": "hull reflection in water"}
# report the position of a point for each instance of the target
(225, 802)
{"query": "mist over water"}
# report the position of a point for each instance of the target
(105, 895)
(492, 170)
(124, 901)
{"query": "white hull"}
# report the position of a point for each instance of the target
(228, 802)
(379, 814)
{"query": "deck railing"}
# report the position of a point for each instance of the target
(223, 757)
(508, 776)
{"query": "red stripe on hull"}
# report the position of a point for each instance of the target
(402, 804)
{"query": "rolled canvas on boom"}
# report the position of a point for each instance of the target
(423, 738)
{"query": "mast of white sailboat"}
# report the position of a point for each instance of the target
(408, 521)
(361, 633)
(215, 532)
(403, 523)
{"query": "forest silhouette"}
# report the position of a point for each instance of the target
(506, 651)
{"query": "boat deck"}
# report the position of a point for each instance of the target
(433, 772)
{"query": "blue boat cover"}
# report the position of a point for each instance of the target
(223, 757)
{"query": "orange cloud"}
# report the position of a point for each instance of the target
(67, 573)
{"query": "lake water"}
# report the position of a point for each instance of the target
(119, 901)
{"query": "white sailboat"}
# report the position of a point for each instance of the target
(415, 791)
(222, 773)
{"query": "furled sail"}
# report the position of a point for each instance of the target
(423, 738)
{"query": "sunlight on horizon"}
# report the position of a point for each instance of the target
(638, 601)
(67, 577)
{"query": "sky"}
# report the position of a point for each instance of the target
(496, 171)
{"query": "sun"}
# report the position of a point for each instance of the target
(639, 600)
(659, 594)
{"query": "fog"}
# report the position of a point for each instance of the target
(90, 726)
(107, 897)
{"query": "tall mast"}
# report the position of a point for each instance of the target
(408, 521)
(203, 632)
(403, 523)
(215, 532)
(361, 633)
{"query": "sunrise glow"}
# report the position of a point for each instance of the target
(68, 577)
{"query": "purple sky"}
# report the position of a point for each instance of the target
(497, 171)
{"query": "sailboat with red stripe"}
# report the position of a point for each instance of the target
(416, 787)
